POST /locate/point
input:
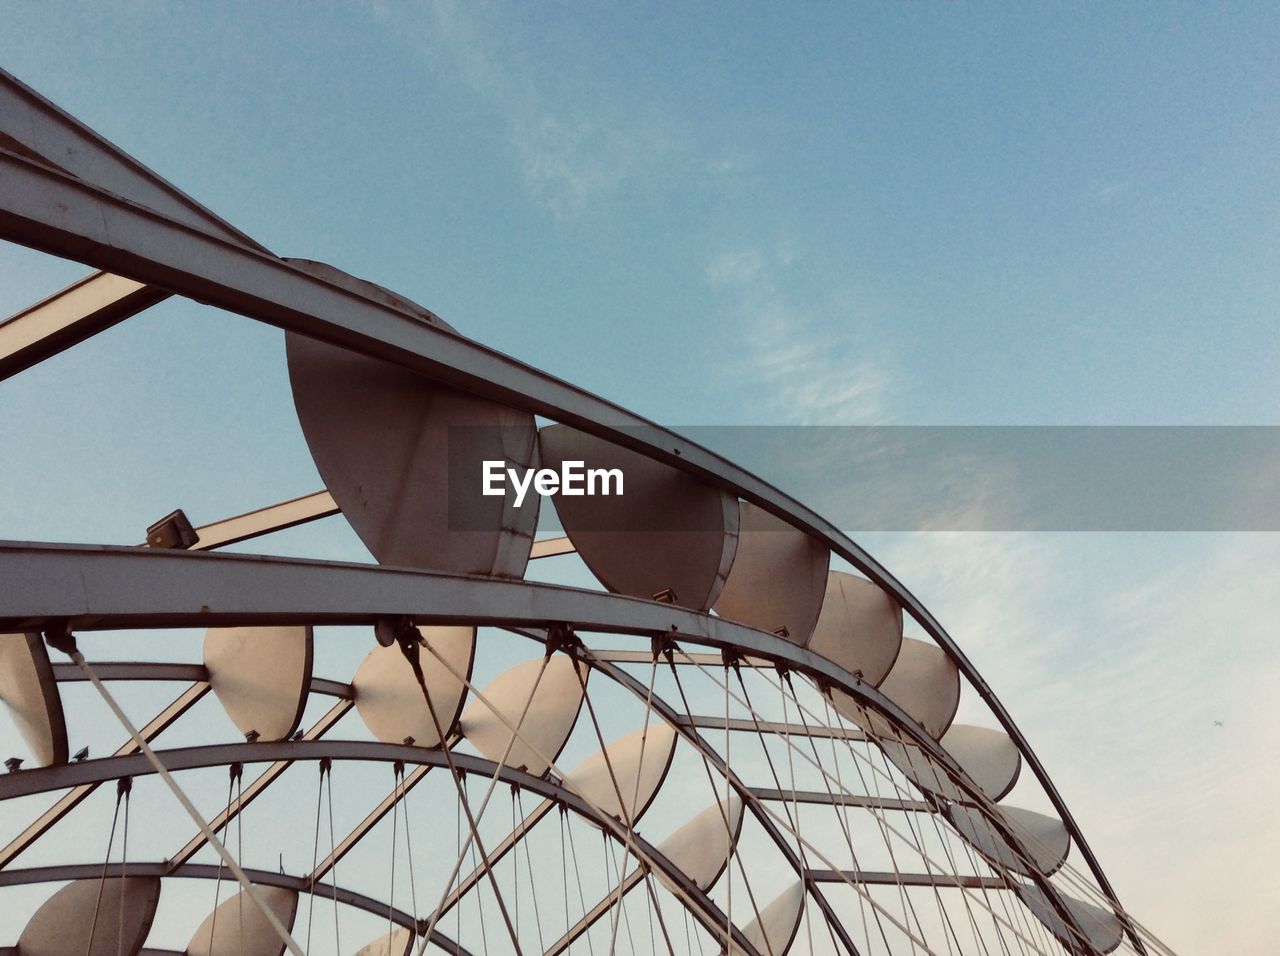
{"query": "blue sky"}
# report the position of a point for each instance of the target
(715, 214)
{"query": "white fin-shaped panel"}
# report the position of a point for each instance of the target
(31, 695)
(125, 913)
(220, 933)
(668, 534)
(396, 943)
(924, 682)
(552, 711)
(775, 929)
(261, 676)
(989, 758)
(860, 627)
(388, 697)
(402, 456)
(1102, 928)
(639, 763)
(702, 847)
(778, 578)
(1045, 838)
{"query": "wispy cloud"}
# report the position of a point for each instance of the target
(572, 149)
(801, 362)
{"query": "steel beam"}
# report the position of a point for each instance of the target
(89, 306)
(161, 671)
(38, 128)
(877, 878)
(287, 514)
(855, 800)
(763, 726)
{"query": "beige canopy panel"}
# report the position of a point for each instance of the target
(668, 534)
(636, 767)
(778, 578)
(29, 692)
(388, 697)
(924, 682)
(702, 847)
(393, 944)
(775, 929)
(221, 935)
(386, 441)
(988, 757)
(62, 925)
(1045, 838)
(860, 627)
(553, 703)
(1102, 928)
(261, 676)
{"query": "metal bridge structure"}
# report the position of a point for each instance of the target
(737, 733)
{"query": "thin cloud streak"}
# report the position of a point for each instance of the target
(802, 365)
(570, 154)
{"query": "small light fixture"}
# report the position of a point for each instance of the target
(172, 531)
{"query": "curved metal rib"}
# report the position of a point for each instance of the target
(92, 587)
(205, 871)
(191, 758)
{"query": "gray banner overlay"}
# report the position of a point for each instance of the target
(991, 478)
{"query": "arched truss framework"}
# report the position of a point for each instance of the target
(70, 193)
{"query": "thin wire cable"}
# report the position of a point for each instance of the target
(408, 848)
(124, 865)
(533, 884)
(473, 820)
(577, 870)
(723, 804)
(395, 833)
(333, 848)
(315, 853)
(102, 881)
(240, 851)
(611, 858)
(628, 823)
(878, 814)
(271, 918)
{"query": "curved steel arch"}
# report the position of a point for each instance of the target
(46, 779)
(206, 871)
(690, 734)
(237, 277)
(92, 587)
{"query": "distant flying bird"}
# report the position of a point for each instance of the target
(1217, 723)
